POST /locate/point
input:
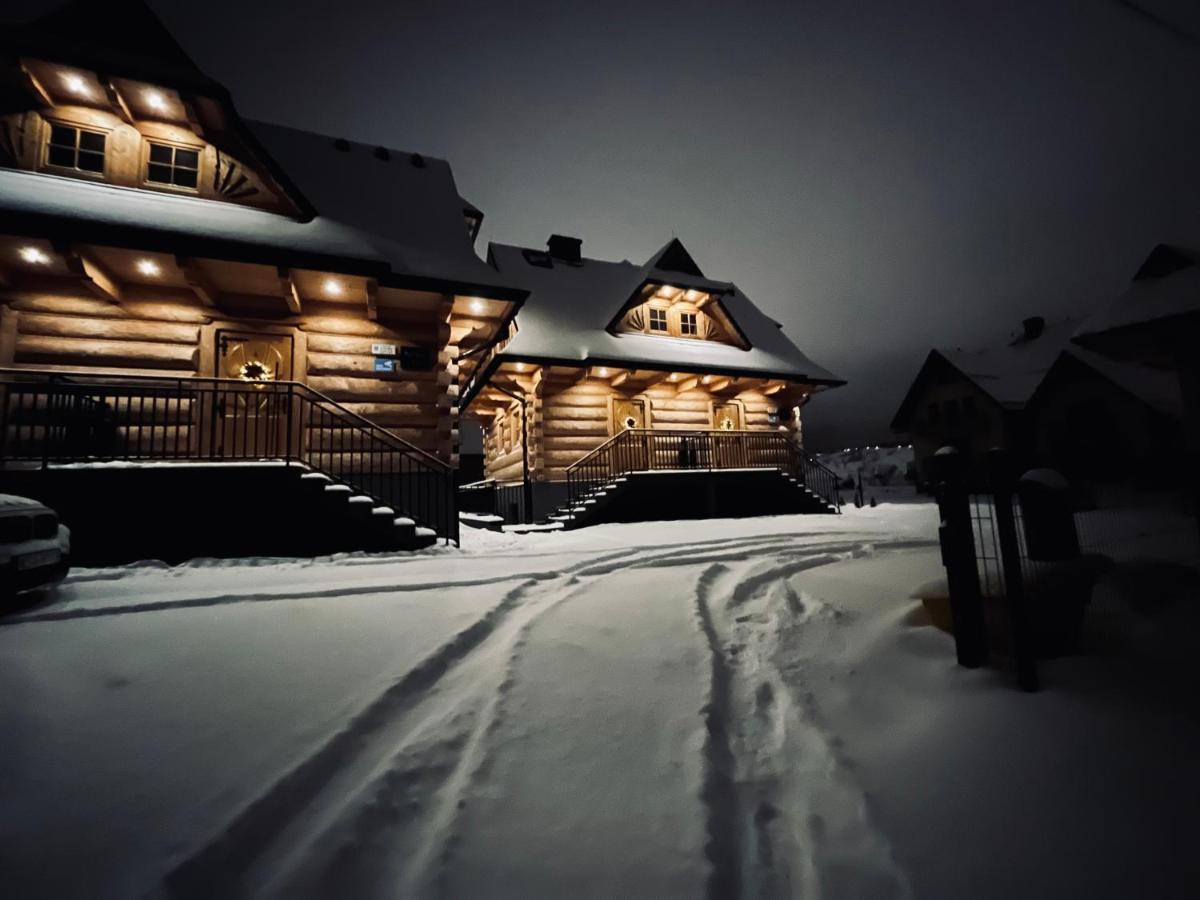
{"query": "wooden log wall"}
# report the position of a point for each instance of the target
(173, 335)
(569, 418)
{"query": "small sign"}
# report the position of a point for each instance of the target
(383, 364)
(417, 359)
(383, 349)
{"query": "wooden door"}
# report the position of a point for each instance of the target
(252, 418)
(729, 448)
(628, 415)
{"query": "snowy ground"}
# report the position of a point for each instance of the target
(733, 708)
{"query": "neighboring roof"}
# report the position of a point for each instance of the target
(394, 221)
(1166, 287)
(406, 205)
(1011, 374)
(570, 306)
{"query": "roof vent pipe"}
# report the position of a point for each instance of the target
(565, 248)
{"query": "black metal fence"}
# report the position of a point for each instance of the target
(52, 418)
(506, 499)
(653, 449)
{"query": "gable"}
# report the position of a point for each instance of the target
(673, 257)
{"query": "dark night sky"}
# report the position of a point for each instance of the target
(881, 177)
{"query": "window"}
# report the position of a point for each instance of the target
(935, 413)
(687, 324)
(658, 319)
(74, 148)
(173, 165)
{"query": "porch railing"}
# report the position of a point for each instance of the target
(79, 417)
(654, 449)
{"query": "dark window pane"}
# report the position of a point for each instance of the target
(952, 416)
(935, 412)
(161, 174)
(64, 137)
(160, 153)
(189, 159)
(185, 177)
(62, 156)
(91, 162)
(90, 140)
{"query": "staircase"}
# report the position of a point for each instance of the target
(646, 474)
(315, 477)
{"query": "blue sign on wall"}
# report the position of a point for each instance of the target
(383, 364)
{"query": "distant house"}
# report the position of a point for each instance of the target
(1047, 401)
(614, 368)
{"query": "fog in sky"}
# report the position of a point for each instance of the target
(880, 177)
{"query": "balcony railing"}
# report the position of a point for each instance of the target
(56, 418)
(653, 449)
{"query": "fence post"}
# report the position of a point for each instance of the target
(1002, 477)
(958, 556)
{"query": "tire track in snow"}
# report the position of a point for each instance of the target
(217, 869)
(719, 792)
(802, 826)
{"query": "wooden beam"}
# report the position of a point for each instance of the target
(199, 283)
(37, 87)
(689, 384)
(117, 100)
(89, 271)
(620, 379)
(287, 290)
(372, 292)
(718, 384)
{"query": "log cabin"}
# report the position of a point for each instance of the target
(627, 391)
(181, 286)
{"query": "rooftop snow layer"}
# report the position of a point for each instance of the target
(570, 306)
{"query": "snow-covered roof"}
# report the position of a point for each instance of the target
(1166, 287)
(403, 224)
(404, 205)
(571, 305)
(1011, 374)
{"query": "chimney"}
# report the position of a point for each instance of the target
(565, 248)
(1032, 328)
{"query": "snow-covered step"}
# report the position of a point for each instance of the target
(578, 509)
(566, 517)
(315, 476)
(403, 521)
(425, 532)
(383, 511)
(361, 498)
(611, 487)
(337, 489)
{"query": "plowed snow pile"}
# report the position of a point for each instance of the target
(726, 708)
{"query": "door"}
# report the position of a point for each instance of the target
(728, 442)
(251, 418)
(628, 415)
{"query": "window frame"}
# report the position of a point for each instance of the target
(79, 128)
(662, 311)
(695, 324)
(148, 143)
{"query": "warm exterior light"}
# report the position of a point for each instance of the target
(706, 379)
(478, 307)
(603, 373)
(149, 268)
(520, 367)
(34, 255)
(156, 101)
(76, 84)
(674, 376)
(332, 287)
(693, 296)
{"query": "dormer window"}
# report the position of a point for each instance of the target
(658, 320)
(76, 149)
(687, 324)
(174, 166)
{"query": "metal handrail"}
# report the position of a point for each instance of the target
(63, 417)
(655, 449)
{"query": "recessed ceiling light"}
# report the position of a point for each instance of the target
(149, 268)
(478, 307)
(520, 367)
(76, 84)
(333, 287)
(674, 376)
(602, 372)
(155, 100)
(34, 255)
